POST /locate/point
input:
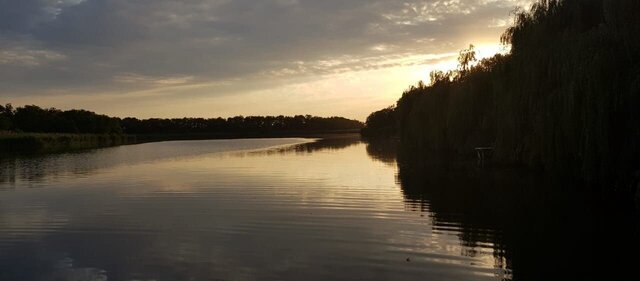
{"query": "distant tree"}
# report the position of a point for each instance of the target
(466, 58)
(381, 123)
(438, 76)
(32, 118)
(6, 114)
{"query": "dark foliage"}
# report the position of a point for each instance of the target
(6, 114)
(31, 118)
(566, 98)
(34, 119)
(380, 123)
(238, 124)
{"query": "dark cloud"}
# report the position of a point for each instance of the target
(67, 44)
(102, 23)
(25, 15)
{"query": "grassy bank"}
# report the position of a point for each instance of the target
(40, 142)
(43, 143)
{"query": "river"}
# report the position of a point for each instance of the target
(289, 209)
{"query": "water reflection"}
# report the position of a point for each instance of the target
(384, 150)
(537, 227)
(334, 209)
(32, 168)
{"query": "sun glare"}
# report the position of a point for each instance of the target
(449, 61)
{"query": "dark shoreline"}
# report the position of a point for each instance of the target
(30, 143)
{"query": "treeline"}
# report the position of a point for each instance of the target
(566, 98)
(238, 124)
(33, 119)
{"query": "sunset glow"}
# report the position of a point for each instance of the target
(333, 60)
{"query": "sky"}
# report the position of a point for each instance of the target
(211, 58)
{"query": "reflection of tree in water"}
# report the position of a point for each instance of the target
(383, 150)
(331, 143)
(539, 227)
(334, 143)
(35, 167)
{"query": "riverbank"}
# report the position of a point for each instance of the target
(42, 142)
(20, 143)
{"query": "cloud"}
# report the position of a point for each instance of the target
(24, 15)
(161, 81)
(26, 56)
(86, 45)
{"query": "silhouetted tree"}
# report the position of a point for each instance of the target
(31, 118)
(566, 98)
(466, 58)
(6, 115)
(381, 123)
(238, 125)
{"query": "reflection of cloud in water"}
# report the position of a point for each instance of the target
(65, 271)
(35, 261)
(28, 222)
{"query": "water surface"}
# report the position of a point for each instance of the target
(264, 209)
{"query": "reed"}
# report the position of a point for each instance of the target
(43, 142)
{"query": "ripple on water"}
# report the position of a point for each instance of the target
(203, 210)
